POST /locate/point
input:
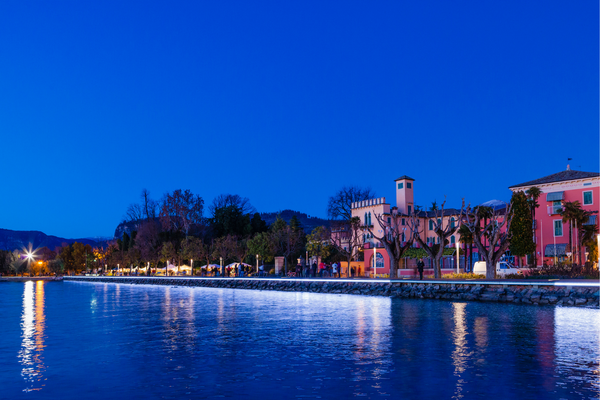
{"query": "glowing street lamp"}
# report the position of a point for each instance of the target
(598, 249)
(457, 257)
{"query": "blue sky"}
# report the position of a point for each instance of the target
(285, 102)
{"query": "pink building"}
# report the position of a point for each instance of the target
(369, 210)
(551, 234)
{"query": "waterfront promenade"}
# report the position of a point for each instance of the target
(580, 293)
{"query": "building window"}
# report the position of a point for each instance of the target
(366, 220)
(401, 185)
(452, 223)
(389, 220)
(403, 237)
(587, 198)
(439, 223)
(408, 185)
(369, 219)
(452, 240)
(556, 207)
(403, 221)
(430, 225)
(558, 227)
(409, 209)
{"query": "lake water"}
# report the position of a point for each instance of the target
(71, 340)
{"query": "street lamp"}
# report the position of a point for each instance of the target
(457, 257)
(221, 263)
(257, 263)
(598, 249)
(192, 261)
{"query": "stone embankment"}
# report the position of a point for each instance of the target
(531, 293)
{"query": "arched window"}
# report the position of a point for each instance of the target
(452, 223)
(430, 225)
(452, 240)
(439, 223)
(366, 220)
(370, 219)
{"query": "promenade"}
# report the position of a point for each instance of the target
(540, 292)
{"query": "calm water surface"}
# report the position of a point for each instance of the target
(69, 340)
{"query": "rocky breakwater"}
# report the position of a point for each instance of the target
(539, 294)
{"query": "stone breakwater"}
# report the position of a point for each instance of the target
(539, 294)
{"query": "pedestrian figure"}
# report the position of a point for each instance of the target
(420, 265)
(314, 269)
(334, 270)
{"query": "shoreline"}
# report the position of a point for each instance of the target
(566, 293)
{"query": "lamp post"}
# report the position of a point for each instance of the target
(374, 261)
(257, 263)
(457, 258)
(221, 264)
(192, 272)
(598, 250)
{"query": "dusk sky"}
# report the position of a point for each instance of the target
(285, 102)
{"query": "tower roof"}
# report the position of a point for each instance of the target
(408, 178)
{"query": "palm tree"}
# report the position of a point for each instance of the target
(466, 237)
(588, 236)
(581, 217)
(534, 193)
(571, 212)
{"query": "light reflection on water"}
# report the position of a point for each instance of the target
(173, 342)
(32, 325)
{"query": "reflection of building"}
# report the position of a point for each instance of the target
(551, 234)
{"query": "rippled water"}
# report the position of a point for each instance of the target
(69, 340)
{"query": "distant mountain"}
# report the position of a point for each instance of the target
(18, 240)
(308, 223)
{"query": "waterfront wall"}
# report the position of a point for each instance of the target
(530, 293)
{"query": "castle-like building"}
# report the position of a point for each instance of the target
(550, 235)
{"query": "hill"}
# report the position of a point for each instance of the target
(308, 223)
(18, 240)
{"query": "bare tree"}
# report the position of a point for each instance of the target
(339, 205)
(436, 251)
(227, 200)
(287, 241)
(181, 210)
(135, 212)
(240, 249)
(224, 247)
(345, 237)
(394, 237)
(148, 242)
(193, 248)
(496, 229)
(149, 206)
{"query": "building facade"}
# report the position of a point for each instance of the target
(551, 233)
